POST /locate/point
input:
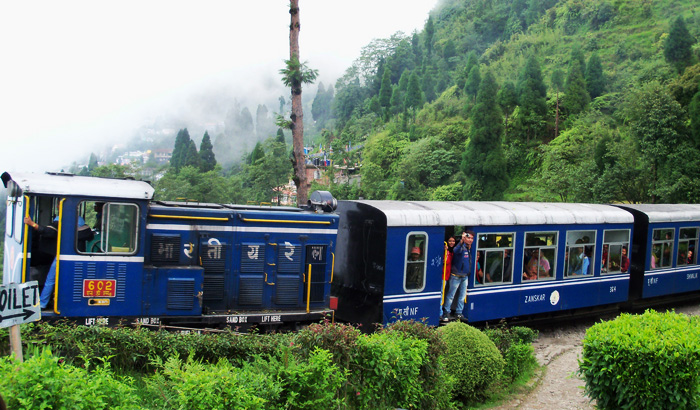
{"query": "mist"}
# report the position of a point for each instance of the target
(82, 77)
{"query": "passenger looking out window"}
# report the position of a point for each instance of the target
(580, 250)
(615, 251)
(495, 251)
(539, 256)
(661, 248)
(415, 262)
(687, 243)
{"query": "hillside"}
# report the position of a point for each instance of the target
(592, 101)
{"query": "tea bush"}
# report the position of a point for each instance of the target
(132, 349)
(386, 372)
(649, 361)
(515, 345)
(433, 378)
(199, 386)
(337, 338)
(306, 384)
(42, 381)
(472, 359)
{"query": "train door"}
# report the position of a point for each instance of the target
(214, 258)
(15, 248)
(282, 275)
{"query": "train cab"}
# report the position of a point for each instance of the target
(531, 258)
(664, 256)
(84, 244)
(103, 251)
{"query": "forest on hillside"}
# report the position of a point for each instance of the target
(523, 100)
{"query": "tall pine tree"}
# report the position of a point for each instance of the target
(483, 161)
(531, 99)
(595, 81)
(576, 97)
(414, 95)
(207, 160)
(385, 90)
(182, 145)
(678, 45)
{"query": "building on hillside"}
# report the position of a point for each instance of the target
(162, 156)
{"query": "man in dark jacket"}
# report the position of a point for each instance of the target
(462, 268)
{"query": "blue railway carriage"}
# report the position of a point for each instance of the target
(533, 258)
(167, 263)
(664, 252)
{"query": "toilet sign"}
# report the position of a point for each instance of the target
(19, 303)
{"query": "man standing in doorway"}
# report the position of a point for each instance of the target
(462, 268)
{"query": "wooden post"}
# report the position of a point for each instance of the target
(16, 342)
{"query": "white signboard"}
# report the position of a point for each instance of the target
(19, 303)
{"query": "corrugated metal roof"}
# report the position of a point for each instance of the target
(65, 184)
(668, 212)
(426, 213)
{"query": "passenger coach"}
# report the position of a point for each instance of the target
(573, 254)
(664, 255)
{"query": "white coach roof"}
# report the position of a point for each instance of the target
(66, 184)
(668, 212)
(426, 213)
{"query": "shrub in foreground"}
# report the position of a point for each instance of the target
(515, 345)
(385, 372)
(42, 381)
(472, 359)
(649, 361)
(433, 379)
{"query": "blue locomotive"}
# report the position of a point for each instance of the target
(167, 263)
(185, 264)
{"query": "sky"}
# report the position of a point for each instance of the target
(78, 76)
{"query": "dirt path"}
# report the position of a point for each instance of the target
(558, 386)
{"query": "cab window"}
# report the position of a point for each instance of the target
(114, 226)
(414, 273)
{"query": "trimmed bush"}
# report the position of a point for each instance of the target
(472, 359)
(649, 361)
(43, 381)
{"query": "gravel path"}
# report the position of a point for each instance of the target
(557, 386)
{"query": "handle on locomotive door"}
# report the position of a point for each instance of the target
(332, 266)
(271, 284)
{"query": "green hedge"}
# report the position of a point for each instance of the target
(406, 364)
(649, 361)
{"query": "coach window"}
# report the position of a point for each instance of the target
(615, 251)
(580, 252)
(539, 260)
(497, 251)
(661, 248)
(414, 276)
(115, 227)
(687, 246)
